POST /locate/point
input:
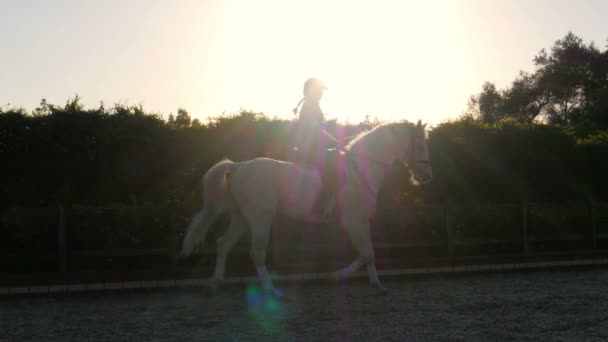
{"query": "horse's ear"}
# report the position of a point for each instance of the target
(419, 123)
(424, 126)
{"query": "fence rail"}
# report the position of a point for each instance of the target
(589, 238)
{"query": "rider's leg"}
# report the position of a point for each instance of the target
(327, 173)
(324, 196)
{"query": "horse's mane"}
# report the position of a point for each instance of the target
(360, 136)
(374, 133)
(225, 160)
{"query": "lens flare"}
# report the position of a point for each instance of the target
(265, 310)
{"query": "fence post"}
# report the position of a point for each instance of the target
(524, 226)
(593, 214)
(172, 233)
(274, 254)
(61, 241)
(449, 229)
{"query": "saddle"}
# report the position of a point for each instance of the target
(331, 166)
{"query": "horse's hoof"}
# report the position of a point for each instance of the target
(339, 277)
(212, 286)
(209, 291)
(381, 290)
(335, 276)
(277, 295)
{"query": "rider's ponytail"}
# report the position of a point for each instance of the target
(295, 110)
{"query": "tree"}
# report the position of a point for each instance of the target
(43, 109)
(525, 100)
(567, 76)
(182, 119)
(490, 103)
(569, 86)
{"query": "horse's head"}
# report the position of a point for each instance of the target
(412, 149)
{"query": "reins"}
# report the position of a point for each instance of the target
(354, 157)
(361, 174)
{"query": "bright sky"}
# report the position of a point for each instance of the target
(392, 59)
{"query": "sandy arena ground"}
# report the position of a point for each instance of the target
(512, 306)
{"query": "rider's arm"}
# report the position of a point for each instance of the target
(329, 136)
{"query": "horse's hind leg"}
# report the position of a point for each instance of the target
(347, 271)
(260, 234)
(235, 231)
(353, 228)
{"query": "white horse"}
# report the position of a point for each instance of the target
(255, 191)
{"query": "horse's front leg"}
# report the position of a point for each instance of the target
(368, 259)
(373, 278)
(359, 232)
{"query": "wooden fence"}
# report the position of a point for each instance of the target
(588, 235)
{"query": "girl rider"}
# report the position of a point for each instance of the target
(311, 136)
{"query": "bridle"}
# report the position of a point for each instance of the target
(352, 157)
(411, 161)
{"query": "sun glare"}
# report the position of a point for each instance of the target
(383, 58)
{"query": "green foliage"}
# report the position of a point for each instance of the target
(569, 86)
(128, 227)
(597, 138)
(71, 154)
(476, 161)
(594, 150)
(28, 230)
(124, 155)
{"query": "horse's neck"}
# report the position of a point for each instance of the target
(371, 162)
(368, 173)
(374, 147)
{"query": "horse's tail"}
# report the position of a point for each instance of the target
(216, 200)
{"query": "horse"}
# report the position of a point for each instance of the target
(253, 192)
